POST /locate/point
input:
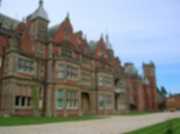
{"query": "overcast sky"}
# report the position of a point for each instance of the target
(139, 30)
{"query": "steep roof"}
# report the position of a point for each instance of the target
(40, 13)
(62, 32)
(102, 43)
(8, 22)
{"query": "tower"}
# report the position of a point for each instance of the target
(150, 75)
(38, 22)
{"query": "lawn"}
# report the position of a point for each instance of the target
(168, 127)
(16, 121)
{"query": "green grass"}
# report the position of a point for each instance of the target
(168, 127)
(16, 121)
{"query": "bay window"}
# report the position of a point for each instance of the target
(67, 99)
(105, 80)
(25, 65)
(68, 72)
(23, 101)
(71, 100)
(105, 102)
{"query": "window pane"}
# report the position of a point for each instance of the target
(17, 100)
(24, 65)
(60, 99)
(29, 101)
(23, 101)
(72, 100)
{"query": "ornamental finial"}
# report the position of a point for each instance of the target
(68, 15)
(41, 2)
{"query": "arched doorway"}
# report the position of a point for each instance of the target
(85, 103)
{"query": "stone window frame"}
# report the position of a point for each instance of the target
(72, 100)
(25, 65)
(23, 102)
(42, 31)
(69, 99)
(60, 98)
(68, 72)
(105, 79)
(105, 102)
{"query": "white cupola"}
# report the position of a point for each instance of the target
(40, 12)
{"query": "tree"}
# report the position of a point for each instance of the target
(35, 100)
(163, 91)
(158, 90)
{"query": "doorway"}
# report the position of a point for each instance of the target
(85, 103)
(116, 101)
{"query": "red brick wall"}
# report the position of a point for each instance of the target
(24, 112)
(173, 102)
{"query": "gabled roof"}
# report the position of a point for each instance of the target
(7, 22)
(63, 32)
(101, 43)
(26, 41)
(102, 47)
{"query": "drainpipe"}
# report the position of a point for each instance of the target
(96, 89)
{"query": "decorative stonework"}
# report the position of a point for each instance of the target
(57, 72)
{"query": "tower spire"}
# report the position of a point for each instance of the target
(0, 2)
(102, 36)
(68, 15)
(40, 12)
(41, 3)
(108, 42)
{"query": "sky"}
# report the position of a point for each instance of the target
(139, 30)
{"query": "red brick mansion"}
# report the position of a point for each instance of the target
(57, 72)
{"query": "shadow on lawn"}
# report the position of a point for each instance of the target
(170, 128)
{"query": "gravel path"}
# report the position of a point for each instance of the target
(111, 125)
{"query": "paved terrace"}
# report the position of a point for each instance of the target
(111, 125)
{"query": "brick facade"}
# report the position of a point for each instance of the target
(57, 72)
(173, 103)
